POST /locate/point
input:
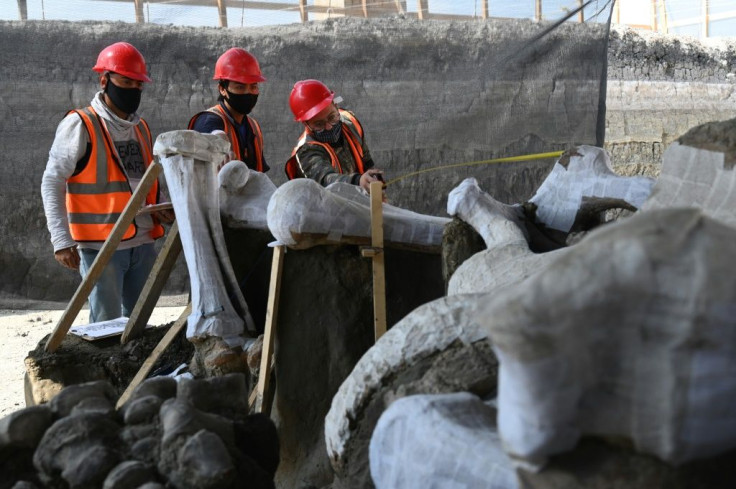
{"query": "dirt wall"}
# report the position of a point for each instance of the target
(419, 88)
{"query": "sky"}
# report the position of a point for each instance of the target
(632, 12)
(208, 16)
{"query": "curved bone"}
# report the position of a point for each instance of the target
(302, 213)
(244, 196)
(189, 158)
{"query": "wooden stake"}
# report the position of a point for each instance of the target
(263, 389)
(157, 351)
(151, 292)
(379, 277)
(103, 257)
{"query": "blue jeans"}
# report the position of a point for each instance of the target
(121, 282)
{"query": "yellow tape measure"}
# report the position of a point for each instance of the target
(537, 156)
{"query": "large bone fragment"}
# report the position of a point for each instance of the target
(581, 178)
(698, 171)
(218, 307)
(244, 196)
(302, 213)
(631, 336)
(449, 441)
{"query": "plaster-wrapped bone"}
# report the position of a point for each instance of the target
(698, 171)
(244, 196)
(584, 173)
(189, 160)
(450, 441)
(631, 336)
(302, 213)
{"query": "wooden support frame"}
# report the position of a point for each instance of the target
(103, 257)
(263, 395)
(303, 13)
(151, 292)
(155, 354)
(376, 253)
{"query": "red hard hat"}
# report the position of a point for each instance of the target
(238, 65)
(124, 59)
(308, 98)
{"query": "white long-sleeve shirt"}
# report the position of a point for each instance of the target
(70, 144)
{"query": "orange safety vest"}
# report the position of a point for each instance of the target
(353, 135)
(98, 194)
(232, 133)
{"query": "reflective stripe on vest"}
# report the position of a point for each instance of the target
(355, 143)
(232, 134)
(98, 194)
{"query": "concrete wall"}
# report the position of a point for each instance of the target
(418, 87)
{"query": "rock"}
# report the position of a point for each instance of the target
(226, 395)
(80, 449)
(203, 462)
(24, 428)
(130, 475)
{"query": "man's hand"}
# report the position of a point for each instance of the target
(369, 176)
(69, 257)
(165, 216)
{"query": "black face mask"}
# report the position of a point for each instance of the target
(125, 99)
(331, 135)
(242, 102)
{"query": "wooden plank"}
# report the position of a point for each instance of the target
(484, 9)
(222, 10)
(155, 354)
(139, 19)
(379, 276)
(422, 9)
(155, 283)
(263, 389)
(103, 257)
(303, 14)
(581, 13)
(538, 10)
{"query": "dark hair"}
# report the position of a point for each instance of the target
(224, 84)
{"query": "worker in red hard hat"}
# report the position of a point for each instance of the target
(332, 147)
(97, 160)
(238, 76)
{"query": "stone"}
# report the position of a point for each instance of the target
(24, 428)
(79, 450)
(226, 395)
(130, 475)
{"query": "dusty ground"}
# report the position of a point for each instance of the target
(21, 330)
